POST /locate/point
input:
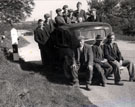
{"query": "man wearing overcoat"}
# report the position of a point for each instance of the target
(41, 36)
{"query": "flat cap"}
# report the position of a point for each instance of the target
(58, 10)
(46, 15)
(65, 6)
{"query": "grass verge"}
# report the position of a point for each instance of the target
(26, 84)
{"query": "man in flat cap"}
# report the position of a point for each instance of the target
(59, 18)
(65, 14)
(101, 66)
(49, 23)
(83, 61)
(49, 26)
(80, 13)
(115, 58)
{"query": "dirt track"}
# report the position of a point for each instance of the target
(109, 96)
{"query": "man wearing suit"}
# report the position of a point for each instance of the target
(83, 61)
(65, 14)
(113, 55)
(49, 26)
(101, 66)
(80, 13)
(49, 23)
(59, 18)
(41, 36)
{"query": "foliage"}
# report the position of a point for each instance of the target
(15, 10)
(127, 13)
(105, 6)
(4, 27)
(119, 13)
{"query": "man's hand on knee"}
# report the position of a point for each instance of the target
(73, 66)
(121, 62)
(117, 63)
(103, 61)
(90, 67)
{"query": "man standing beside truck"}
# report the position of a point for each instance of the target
(41, 36)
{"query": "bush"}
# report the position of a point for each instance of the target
(4, 27)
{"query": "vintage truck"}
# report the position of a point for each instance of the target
(64, 39)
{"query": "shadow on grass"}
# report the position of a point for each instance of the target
(52, 73)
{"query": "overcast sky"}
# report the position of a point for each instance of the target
(44, 6)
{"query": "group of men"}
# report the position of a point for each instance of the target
(69, 16)
(46, 27)
(99, 61)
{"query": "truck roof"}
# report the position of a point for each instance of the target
(85, 25)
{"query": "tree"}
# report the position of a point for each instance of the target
(104, 8)
(127, 13)
(12, 11)
(119, 13)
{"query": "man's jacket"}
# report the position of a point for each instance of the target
(51, 25)
(82, 14)
(98, 53)
(112, 53)
(41, 36)
(87, 55)
(60, 21)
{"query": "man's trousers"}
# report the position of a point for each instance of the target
(82, 68)
(100, 71)
(130, 67)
